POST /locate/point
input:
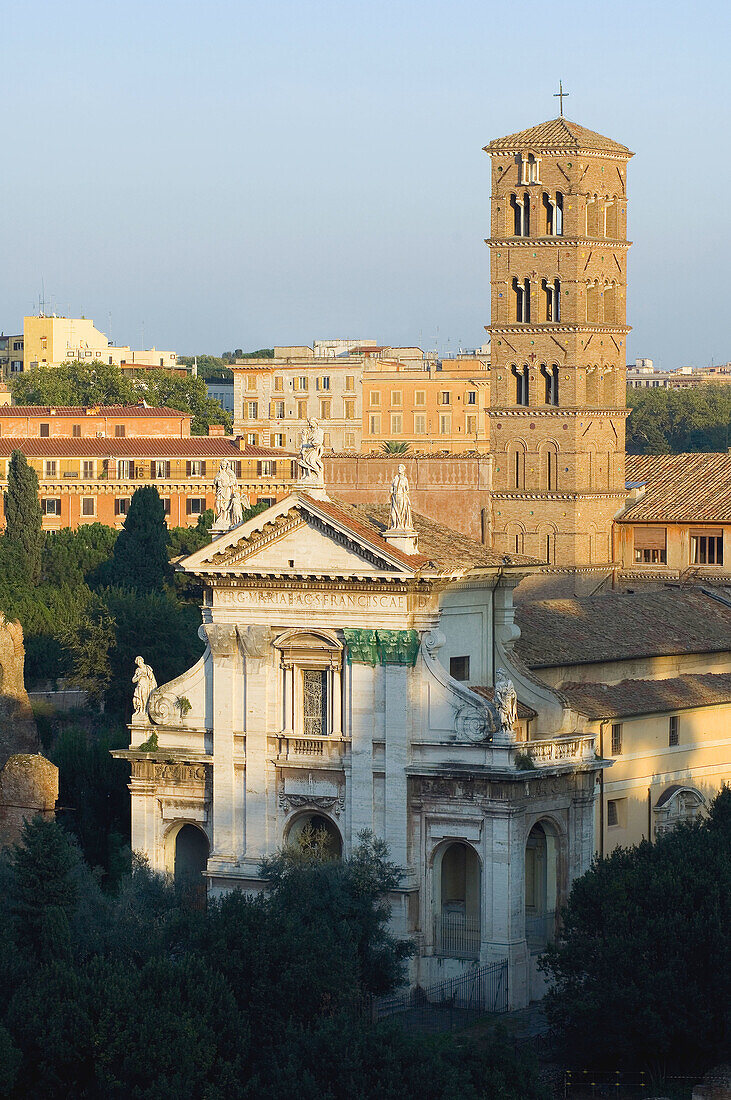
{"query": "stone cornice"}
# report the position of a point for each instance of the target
(564, 152)
(78, 485)
(558, 242)
(518, 329)
(527, 411)
(578, 495)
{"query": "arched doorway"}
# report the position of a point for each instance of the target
(316, 835)
(541, 884)
(457, 901)
(191, 854)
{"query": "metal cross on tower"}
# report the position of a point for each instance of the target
(560, 95)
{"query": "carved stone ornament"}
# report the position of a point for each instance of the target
(163, 708)
(222, 639)
(386, 647)
(473, 723)
(255, 641)
(316, 802)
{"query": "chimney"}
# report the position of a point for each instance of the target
(216, 429)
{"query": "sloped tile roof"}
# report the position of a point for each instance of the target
(690, 488)
(648, 696)
(557, 133)
(193, 446)
(620, 626)
(90, 410)
(449, 550)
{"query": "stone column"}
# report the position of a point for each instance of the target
(224, 651)
(360, 682)
(396, 761)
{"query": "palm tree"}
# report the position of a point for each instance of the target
(395, 447)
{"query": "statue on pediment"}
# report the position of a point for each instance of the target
(400, 517)
(312, 444)
(225, 486)
(144, 684)
(506, 702)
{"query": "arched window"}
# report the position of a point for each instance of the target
(610, 218)
(515, 538)
(456, 903)
(553, 214)
(547, 543)
(520, 205)
(549, 467)
(592, 303)
(522, 384)
(550, 379)
(531, 166)
(592, 216)
(552, 292)
(541, 884)
(311, 686)
(521, 289)
(516, 466)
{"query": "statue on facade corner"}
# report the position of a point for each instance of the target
(400, 517)
(225, 486)
(312, 444)
(506, 702)
(144, 683)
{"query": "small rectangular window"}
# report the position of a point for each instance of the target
(472, 397)
(419, 424)
(471, 425)
(349, 408)
(445, 424)
(459, 668)
(612, 812)
(45, 431)
(301, 410)
(252, 410)
(278, 441)
(349, 441)
(51, 467)
(76, 431)
(119, 431)
(396, 397)
(314, 693)
(195, 506)
(374, 399)
(278, 383)
(617, 739)
(87, 468)
(374, 424)
(445, 398)
(251, 381)
(121, 506)
(396, 423)
(673, 731)
(302, 383)
(349, 383)
(51, 506)
(420, 397)
(88, 506)
(279, 410)
(166, 505)
(324, 410)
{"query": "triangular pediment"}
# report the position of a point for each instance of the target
(300, 536)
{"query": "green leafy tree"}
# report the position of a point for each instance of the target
(23, 515)
(72, 557)
(675, 421)
(44, 892)
(642, 974)
(76, 383)
(140, 556)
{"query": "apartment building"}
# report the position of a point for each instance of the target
(90, 461)
(50, 341)
(439, 405)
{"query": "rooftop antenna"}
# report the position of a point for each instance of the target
(560, 95)
(109, 337)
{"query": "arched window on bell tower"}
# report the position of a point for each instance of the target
(550, 378)
(552, 291)
(522, 377)
(520, 205)
(553, 214)
(531, 168)
(521, 290)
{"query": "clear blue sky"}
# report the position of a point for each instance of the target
(241, 174)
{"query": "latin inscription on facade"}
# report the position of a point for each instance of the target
(301, 599)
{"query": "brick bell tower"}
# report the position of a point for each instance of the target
(558, 265)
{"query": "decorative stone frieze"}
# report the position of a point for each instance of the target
(385, 647)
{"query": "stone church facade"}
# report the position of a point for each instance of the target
(357, 676)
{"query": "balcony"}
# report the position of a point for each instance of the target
(326, 751)
(560, 750)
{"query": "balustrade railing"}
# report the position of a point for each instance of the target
(558, 749)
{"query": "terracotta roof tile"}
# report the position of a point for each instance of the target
(449, 550)
(648, 696)
(90, 410)
(557, 133)
(622, 625)
(690, 488)
(193, 446)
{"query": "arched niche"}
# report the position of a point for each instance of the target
(186, 853)
(677, 804)
(456, 880)
(313, 830)
(542, 883)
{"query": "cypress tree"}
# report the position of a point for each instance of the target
(140, 559)
(23, 515)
